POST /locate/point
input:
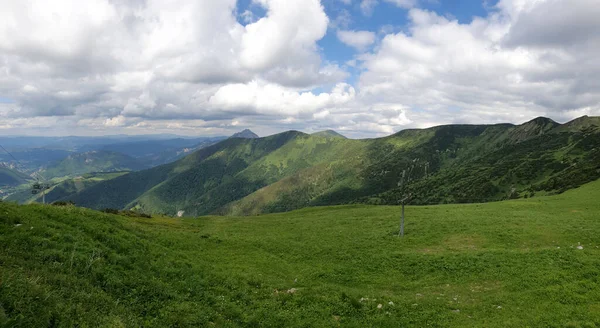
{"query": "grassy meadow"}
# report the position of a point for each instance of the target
(520, 263)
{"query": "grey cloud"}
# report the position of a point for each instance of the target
(556, 23)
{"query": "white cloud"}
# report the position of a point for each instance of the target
(403, 3)
(343, 20)
(286, 36)
(271, 99)
(248, 16)
(111, 62)
(359, 40)
(508, 67)
(140, 66)
(367, 6)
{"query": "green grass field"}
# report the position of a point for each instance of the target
(506, 264)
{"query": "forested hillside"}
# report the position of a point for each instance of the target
(93, 161)
(447, 164)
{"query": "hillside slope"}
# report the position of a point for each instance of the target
(518, 263)
(10, 177)
(452, 163)
(66, 188)
(93, 161)
(180, 185)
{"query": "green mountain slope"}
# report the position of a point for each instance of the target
(199, 183)
(328, 134)
(93, 161)
(464, 163)
(452, 163)
(10, 177)
(522, 263)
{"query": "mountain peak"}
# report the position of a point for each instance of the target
(246, 134)
(540, 120)
(583, 122)
(329, 134)
(536, 127)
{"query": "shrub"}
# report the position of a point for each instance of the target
(63, 203)
(110, 211)
(134, 214)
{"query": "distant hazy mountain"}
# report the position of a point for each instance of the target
(93, 161)
(83, 144)
(448, 164)
(246, 134)
(35, 153)
(64, 188)
(158, 152)
(32, 159)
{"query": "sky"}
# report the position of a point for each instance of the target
(365, 68)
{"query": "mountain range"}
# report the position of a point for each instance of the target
(93, 161)
(290, 170)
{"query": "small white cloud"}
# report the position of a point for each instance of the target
(367, 7)
(359, 40)
(248, 16)
(403, 3)
(115, 121)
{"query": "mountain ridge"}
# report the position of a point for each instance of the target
(292, 169)
(93, 161)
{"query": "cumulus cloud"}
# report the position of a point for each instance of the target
(263, 98)
(494, 69)
(192, 67)
(109, 62)
(359, 40)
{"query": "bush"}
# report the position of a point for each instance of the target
(128, 213)
(110, 211)
(134, 214)
(63, 203)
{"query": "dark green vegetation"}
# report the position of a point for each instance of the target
(507, 264)
(291, 170)
(93, 161)
(10, 177)
(62, 188)
(328, 134)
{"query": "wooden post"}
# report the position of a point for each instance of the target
(402, 221)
